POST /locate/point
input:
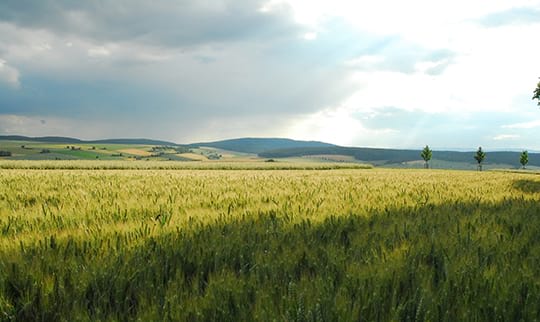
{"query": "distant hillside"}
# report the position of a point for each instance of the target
(45, 139)
(259, 145)
(59, 139)
(263, 147)
(132, 141)
(389, 156)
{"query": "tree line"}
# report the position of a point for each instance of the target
(479, 156)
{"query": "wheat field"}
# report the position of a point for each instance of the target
(157, 244)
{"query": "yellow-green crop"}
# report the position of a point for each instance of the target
(285, 245)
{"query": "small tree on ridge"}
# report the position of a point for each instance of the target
(426, 155)
(524, 159)
(479, 157)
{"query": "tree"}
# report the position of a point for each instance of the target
(537, 93)
(479, 157)
(426, 155)
(524, 158)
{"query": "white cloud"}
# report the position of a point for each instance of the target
(418, 20)
(427, 67)
(503, 137)
(523, 125)
(42, 46)
(365, 61)
(98, 52)
(491, 70)
(9, 75)
(310, 36)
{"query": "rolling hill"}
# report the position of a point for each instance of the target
(59, 139)
(260, 145)
(267, 148)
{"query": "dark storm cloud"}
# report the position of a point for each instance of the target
(160, 22)
(174, 68)
(281, 75)
(514, 16)
(81, 99)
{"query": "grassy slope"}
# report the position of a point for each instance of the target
(341, 245)
(60, 150)
(88, 151)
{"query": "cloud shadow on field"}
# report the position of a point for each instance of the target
(425, 259)
(527, 186)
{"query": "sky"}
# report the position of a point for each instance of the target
(397, 74)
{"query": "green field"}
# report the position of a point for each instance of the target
(23, 150)
(155, 244)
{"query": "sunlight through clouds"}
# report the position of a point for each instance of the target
(9, 75)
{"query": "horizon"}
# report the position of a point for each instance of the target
(454, 76)
(434, 149)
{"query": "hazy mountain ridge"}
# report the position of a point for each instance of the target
(259, 145)
(60, 139)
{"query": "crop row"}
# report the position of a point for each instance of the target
(173, 165)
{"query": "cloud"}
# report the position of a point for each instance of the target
(397, 55)
(310, 35)
(38, 125)
(175, 130)
(98, 52)
(9, 75)
(17, 124)
(395, 127)
(523, 125)
(513, 16)
(392, 117)
(161, 22)
(503, 137)
(127, 81)
(348, 72)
